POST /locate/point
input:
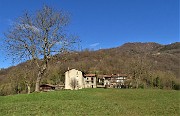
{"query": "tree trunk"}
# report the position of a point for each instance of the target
(40, 75)
(29, 89)
(137, 83)
(37, 88)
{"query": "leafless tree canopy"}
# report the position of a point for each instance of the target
(38, 36)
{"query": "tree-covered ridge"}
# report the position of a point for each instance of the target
(149, 64)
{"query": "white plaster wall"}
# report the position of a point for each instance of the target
(71, 74)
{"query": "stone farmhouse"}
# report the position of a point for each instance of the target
(113, 81)
(75, 79)
(90, 81)
(119, 81)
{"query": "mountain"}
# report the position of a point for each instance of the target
(140, 47)
(155, 59)
(165, 55)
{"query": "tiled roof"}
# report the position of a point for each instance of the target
(104, 76)
(114, 75)
(90, 75)
(119, 75)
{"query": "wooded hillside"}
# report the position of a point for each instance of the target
(149, 64)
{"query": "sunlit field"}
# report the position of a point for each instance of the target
(101, 102)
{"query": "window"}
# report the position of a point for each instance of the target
(92, 80)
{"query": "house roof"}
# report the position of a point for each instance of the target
(119, 75)
(49, 85)
(104, 76)
(107, 76)
(110, 76)
(90, 75)
(71, 70)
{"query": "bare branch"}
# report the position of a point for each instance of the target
(39, 36)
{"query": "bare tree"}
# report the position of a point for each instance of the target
(27, 73)
(38, 36)
(74, 83)
(139, 69)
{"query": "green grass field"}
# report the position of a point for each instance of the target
(101, 102)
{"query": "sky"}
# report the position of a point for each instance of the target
(102, 24)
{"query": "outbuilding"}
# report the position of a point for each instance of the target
(47, 87)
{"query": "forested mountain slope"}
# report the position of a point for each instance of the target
(145, 61)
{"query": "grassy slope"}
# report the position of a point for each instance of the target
(93, 102)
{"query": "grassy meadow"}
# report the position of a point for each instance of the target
(114, 102)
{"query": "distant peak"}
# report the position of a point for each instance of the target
(140, 47)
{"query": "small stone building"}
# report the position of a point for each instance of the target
(112, 81)
(47, 87)
(90, 80)
(104, 80)
(74, 79)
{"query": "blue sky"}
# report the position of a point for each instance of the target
(104, 23)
